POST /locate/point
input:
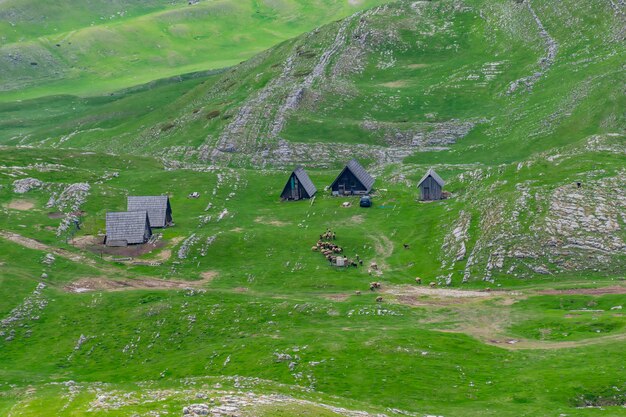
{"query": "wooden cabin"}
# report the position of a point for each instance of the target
(158, 208)
(431, 186)
(127, 228)
(353, 180)
(299, 186)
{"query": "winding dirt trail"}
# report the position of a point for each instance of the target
(123, 282)
(37, 245)
(488, 322)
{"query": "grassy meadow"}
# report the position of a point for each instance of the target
(505, 299)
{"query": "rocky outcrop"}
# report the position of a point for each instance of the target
(545, 62)
(26, 184)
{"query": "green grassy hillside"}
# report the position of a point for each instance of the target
(518, 305)
(86, 48)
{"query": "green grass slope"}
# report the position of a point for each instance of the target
(491, 82)
(74, 47)
(513, 104)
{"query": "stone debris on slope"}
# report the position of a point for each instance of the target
(28, 310)
(24, 185)
(547, 230)
(545, 62)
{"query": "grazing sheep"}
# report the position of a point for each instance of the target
(314, 248)
(406, 245)
(374, 266)
(433, 284)
(358, 293)
(379, 299)
(418, 280)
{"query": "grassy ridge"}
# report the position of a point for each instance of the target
(70, 48)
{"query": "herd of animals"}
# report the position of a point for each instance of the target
(333, 254)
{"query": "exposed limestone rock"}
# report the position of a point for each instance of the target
(26, 184)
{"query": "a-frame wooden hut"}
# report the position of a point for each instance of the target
(158, 208)
(353, 180)
(299, 186)
(127, 228)
(431, 186)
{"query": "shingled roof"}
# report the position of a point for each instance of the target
(360, 173)
(436, 177)
(305, 181)
(156, 206)
(129, 226)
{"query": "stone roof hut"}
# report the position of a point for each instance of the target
(127, 228)
(158, 208)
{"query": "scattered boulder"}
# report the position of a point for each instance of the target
(48, 259)
(196, 410)
(26, 184)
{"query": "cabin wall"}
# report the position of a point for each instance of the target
(350, 184)
(116, 243)
(430, 190)
(288, 191)
(147, 234)
(168, 214)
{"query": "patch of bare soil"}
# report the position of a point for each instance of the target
(104, 284)
(424, 295)
(237, 229)
(208, 276)
(337, 297)
(616, 289)
(357, 219)
(164, 255)
(416, 66)
(395, 84)
(95, 244)
(21, 205)
(56, 215)
(271, 222)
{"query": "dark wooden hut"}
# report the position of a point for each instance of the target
(127, 228)
(158, 208)
(431, 186)
(353, 180)
(298, 186)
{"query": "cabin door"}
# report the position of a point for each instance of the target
(295, 189)
(426, 193)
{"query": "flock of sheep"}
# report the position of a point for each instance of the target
(332, 252)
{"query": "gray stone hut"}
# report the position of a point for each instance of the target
(353, 180)
(127, 228)
(431, 186)
(298, 186)
(158, 208)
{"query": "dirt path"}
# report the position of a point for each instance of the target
(37, 245)
(105, 284)
(615, 289)
(488, 322)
